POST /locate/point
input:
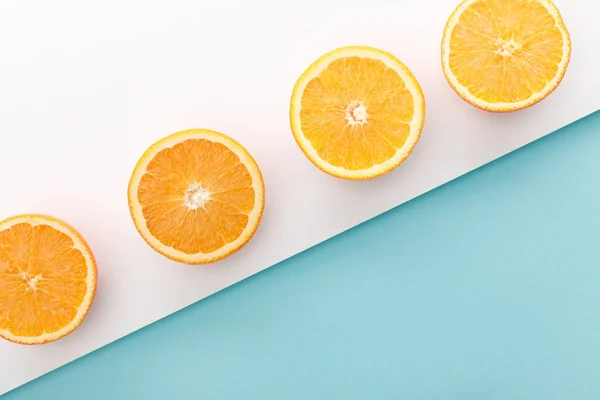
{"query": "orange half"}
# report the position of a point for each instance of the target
(196, 196)
(505, 55)
(357, 112)
(47, 279)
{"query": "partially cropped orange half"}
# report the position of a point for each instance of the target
(196, 196)
(357, 112)
(505, 55)
(47, 279)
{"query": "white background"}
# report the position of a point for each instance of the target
(86, 87)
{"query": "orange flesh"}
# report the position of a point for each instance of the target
(171, 178)
(328, 103)
(42, 280)
(505, 50)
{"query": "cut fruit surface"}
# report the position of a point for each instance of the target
(47, 279)
(196, 196)
(357, 112)
(505, 55)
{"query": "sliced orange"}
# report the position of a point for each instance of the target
(357, 112)
(196, 196)
(505, 55)
(47, 279)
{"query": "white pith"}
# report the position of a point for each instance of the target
(196, 196)
(356, 113)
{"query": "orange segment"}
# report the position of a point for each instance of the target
(47, 279)
(357, 112)
(505, 55)
(196, 196)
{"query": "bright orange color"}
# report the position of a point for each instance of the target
(357, 112)
(505, 55)
(47, 279)
(196, 196)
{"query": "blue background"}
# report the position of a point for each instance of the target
(485, 288)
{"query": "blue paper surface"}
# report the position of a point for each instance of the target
(485, 288)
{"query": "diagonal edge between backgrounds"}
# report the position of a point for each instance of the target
(444, 183)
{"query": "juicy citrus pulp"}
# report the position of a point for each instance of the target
(357, 112)
(196, 196)
(505, 55)
(47, 279)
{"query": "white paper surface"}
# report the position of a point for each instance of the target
(86, 87)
